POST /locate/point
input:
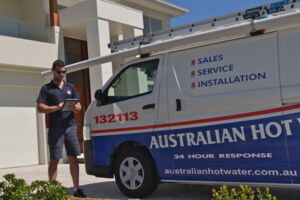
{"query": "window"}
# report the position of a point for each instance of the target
(151, 25)
(136, 80)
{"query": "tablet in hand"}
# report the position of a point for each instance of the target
(68, 103)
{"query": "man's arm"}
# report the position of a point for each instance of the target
(43, 108)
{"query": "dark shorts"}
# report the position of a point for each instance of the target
(59, 136)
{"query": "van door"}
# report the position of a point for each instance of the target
(130, 108)
(225, 113)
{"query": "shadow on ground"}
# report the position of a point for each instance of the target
(166, 191)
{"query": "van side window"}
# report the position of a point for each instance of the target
(136, 80)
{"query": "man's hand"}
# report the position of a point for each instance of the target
(76, 108)
(60, 105)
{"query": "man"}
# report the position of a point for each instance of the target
(62, 125)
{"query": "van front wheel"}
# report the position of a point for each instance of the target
(135, 173)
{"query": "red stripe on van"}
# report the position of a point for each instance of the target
(199, 121)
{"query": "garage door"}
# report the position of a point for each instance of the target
(18, 127)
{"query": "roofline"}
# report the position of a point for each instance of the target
(162, 6)
(175, 7)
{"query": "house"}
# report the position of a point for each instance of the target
(34, 33)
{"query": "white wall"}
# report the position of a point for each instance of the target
(16, 77)
(92, 9)
(20, 52)
(19, 90)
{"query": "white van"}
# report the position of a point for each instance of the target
(221, 110)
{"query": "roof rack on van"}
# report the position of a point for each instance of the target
(271, 17)
(225, 20)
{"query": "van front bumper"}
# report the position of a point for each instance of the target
(90, 168)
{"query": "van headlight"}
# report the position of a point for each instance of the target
(86, 132)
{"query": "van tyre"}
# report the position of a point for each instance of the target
(135, 173)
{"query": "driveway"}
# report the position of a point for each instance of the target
(106, 188)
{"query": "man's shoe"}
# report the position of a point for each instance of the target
(79, 193)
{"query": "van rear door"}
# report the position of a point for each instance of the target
(289, 48)
(225, 116)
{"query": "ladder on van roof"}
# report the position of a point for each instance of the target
(203, 25)
(268, 18)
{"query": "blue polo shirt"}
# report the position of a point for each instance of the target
(52, 95)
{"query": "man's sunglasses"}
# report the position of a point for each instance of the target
(59, 72)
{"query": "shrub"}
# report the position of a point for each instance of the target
(14, 189)
(17, 189)
(243, 192)
(49, 190)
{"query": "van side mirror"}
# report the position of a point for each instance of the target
(99, 96)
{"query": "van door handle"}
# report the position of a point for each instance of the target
(178, 105)
(149, 106)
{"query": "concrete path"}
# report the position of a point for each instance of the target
(106, 188)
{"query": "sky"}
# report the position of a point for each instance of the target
(204, 9)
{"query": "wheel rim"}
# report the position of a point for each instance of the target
(131, 173)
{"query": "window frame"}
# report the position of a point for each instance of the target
(149, 18)
(105, 92)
